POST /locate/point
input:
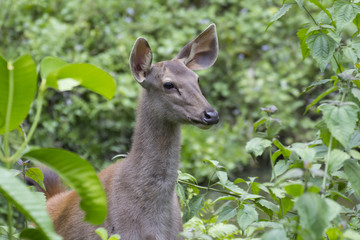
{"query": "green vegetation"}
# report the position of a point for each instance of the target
(300, 55)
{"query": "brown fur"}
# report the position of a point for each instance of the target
(142, 201)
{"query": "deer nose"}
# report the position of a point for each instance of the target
(210, 117)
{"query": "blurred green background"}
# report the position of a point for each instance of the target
(255, 68)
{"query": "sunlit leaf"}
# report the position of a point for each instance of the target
(86, 75)
(19, 90)
(36, 175)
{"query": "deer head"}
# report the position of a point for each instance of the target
(171, 87)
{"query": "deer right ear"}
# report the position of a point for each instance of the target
(140, 60)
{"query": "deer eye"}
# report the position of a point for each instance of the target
(169, 85)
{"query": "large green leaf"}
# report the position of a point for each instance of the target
(49, 65)
(322, 48)
(344, 12)
(18, 85)
(340, 120)
(315, 214)
(32, 204)
(352, 171)
(65, 77)
(80, 175)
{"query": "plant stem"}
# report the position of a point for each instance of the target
(340, 68)
(327, 164)
(8, 113)
(209, 188)
(307, 11)
(275, 178)
(39, 105)
(272, 165)
(10, 221)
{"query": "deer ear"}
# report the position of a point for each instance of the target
(201, 52)
(140, 59)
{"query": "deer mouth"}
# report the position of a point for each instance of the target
(200, 124)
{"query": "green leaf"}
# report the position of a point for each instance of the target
(86, 75)
(285, 151)
(78, 174)
(195, 204)
(181, 192)
(319, 5)
(226, 213)
(356, 21)
(269, 205)
(302, 35)
(352, 171)
(340, 120)
(294, 189)
(322, 48)
(278, 234)
(32, 234)
(103, 234)
(247, 216)
(300, 3)
(221, 230)
(356, 93)
(32, 204)
(36, 175)
(282, 11)
(344, 12)
(115, 237)
(18, 84)
(337, 159)
(257, 146)
(223, 177)
(259, 122)
(50, 64)
(306, 154)
(273, 127)
(326, 135)
(321, 96)
(315, 214)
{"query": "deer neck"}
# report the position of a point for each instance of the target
(155, 151)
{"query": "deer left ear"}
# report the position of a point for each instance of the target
(201, 52)
(140, 60)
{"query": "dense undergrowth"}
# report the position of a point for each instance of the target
(314, 190)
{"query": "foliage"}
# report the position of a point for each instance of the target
(252, 66)
(18, 82)
(314, 189)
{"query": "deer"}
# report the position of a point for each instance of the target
(141, 189)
